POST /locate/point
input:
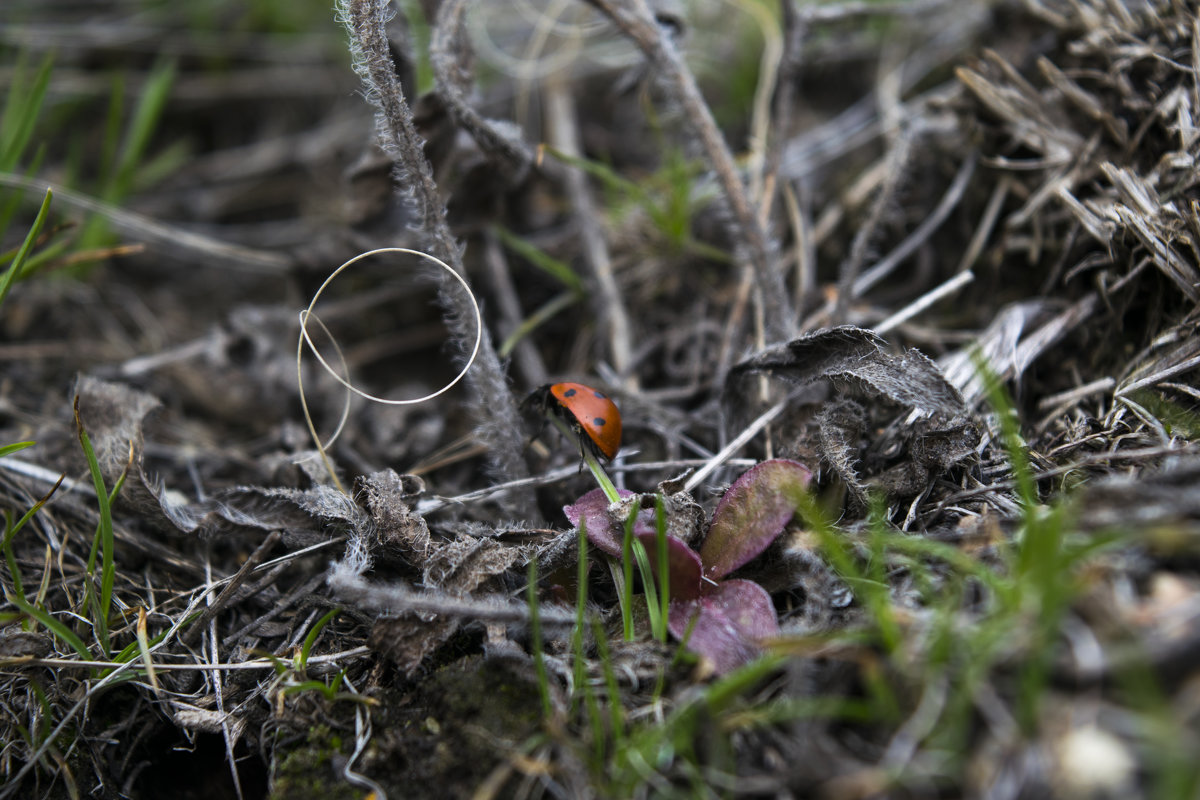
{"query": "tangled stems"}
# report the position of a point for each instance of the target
(492, 404)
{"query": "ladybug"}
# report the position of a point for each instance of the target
(589, 412)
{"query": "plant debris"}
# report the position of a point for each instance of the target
(898, 303)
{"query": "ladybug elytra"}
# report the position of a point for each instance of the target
(589, 412)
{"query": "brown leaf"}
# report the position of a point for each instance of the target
(855, 360)
(396, 524)
(887, 408)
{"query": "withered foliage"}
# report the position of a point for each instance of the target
(921, 420)
(920, 200)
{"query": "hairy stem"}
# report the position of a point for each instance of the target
(498, 422)
(448, 56)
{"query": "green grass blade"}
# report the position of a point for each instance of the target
(311, 638)
(44, 586)
(953, 556)
(14, 269)
(834, 548)
(595, 720)
(615, 709)
(612, 180)
(10, 557)
(535, 635)
(146, 115)
(664, 577)
(104, 534)
(658, 623)
(11, 530)
(558, 270)
(334, 684)
(790, 709)
(143, 644)
(9, 449)
(112, 136)
(307, 686)
(725, 689)
(46, 722)
(579, 673)
(877, 591)
(21, 111)
(132, 649)
(537, 319)
(1010, 430)
(54, 626)
(627, 559)
(121, 168)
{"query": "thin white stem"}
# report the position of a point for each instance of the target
(749, 433)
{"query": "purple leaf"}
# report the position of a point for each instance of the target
(752, 513)
(606, 535)
(684, 565)
(602, 532)
(729, 622)
(748, 605)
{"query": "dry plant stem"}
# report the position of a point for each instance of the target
(168, 240)
(859, 124)
(498, 421)
(525, 356)
(1072, 396)
(396, 598)
(367, 21)
(14, 781)
(806, 256)
(737, 313)
(428, 506)
(745, 290)
(848, 272)
(218, 681)
(762, 125)
(795, 29)
(564, 135)
(303, 590)
(227, 666)
(923, 302)
(920, 724)
(931, 223)
(362, 737)
(746, 435)
(1108, 457)
(447, 56)
(633, 17)
(1158, 376)
(986, 224)
(842, 11)
(226, 595)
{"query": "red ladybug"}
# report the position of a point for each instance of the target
(589, 412)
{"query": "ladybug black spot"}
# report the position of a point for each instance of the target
(569, 393)
(598, 421)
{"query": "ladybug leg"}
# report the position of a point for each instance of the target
(536, 435)
(579, 436)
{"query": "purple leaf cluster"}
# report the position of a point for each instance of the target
(730, 616)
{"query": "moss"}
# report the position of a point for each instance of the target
(313, 770)
(471, 715)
